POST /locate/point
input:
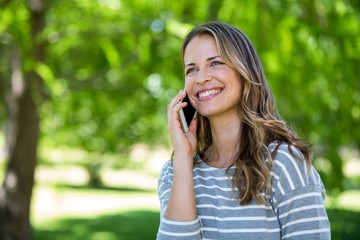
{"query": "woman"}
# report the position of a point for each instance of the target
(251, 177)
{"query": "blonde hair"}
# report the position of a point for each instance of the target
(261, 125)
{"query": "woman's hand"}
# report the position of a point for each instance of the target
(184, 144)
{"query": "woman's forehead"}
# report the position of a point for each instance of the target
(200, 47)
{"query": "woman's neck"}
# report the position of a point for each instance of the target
(226, 134)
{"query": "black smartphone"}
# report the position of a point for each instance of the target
(186, 114)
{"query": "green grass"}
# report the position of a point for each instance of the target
(63, 209)
(76, 212)
(134, 225)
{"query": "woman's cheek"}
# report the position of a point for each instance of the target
(189, 83)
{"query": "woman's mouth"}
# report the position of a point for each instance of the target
(207, 93)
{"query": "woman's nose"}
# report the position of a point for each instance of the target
(203, 77)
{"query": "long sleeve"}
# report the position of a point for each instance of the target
(298, 198)
(169, 229)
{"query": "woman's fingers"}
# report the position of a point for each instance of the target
(177, 99)
(173, 110)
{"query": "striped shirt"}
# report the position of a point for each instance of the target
(296, 210)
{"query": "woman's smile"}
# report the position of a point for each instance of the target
(208, 93)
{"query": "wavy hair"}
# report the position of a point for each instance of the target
(261, 125)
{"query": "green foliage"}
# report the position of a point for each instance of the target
(111, 87)
(344, 224)
(112, 67)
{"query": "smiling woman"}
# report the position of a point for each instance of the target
(240, 172)
(212, 86)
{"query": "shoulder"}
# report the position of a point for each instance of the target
(289, 161)
(290, 170)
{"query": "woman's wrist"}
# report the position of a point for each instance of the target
(183, 161)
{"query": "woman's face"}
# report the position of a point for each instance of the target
(212, 86)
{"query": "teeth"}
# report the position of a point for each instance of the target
(208, 93)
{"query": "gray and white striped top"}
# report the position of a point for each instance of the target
(297, 209)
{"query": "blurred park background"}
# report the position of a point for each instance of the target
(84, 86)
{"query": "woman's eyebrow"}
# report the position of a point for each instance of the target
(190, 64)
(212, 58)
(208, 59)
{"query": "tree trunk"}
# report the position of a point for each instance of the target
(23, 99)
(15, 194)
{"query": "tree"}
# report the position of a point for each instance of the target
(23, 93)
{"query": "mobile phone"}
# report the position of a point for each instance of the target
(186, 114)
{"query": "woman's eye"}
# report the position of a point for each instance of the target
(216, 63)
(190, 70)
